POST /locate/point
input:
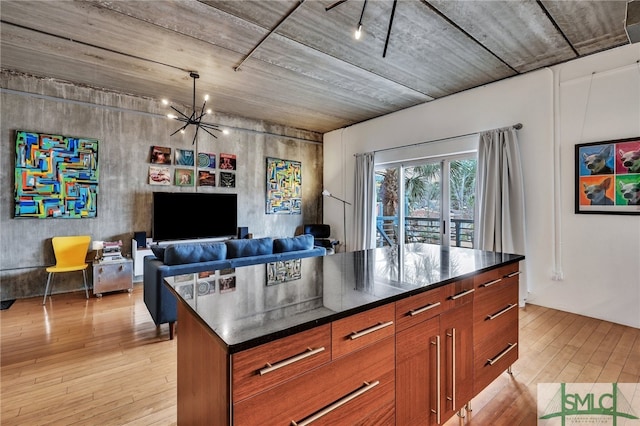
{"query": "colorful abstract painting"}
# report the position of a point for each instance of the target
(283, 271)
(284, 186)
(55, 176)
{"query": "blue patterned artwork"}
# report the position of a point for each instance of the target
(55, 176)
(284, 186)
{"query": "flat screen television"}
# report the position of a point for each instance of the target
(192, 215)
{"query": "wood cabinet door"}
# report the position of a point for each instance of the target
(417, 374)
(456, 335)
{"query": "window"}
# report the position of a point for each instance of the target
(435, 203)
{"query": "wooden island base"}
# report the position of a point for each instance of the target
(384, 365)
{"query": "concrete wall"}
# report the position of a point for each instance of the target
(587, 264)
(127, 126)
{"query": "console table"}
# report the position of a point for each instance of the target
(395, 335)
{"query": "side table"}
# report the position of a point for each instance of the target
(112, 275)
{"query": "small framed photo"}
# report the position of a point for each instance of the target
(184, 177)
(206, 160)
(227, 180)
(160, 155)
(206, 178)
(607, 177)
(227, 284)
(159, 175)
(206, 283)
(184, 157)
(227, 161)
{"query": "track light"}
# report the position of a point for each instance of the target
(359, 30)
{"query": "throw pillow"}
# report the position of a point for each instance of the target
(158, 251)
(246, 248)
(301, 242)
(178, 254)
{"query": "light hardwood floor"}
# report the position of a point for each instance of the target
(102, 362)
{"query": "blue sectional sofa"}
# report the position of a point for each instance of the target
(187, 258)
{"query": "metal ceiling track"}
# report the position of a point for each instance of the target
(273, 30)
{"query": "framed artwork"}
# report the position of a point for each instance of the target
(55, 176)
(227, 161)
(227, 180)
(284, 186)
(160, 155)
(184, 157)
(227, 284)
(184, 177)
(283, 271)
(608, 177)
(206, 178)
(186, 291)
(206, 283)
(206, 160)
(159, 175)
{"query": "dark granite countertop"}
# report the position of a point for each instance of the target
(252, 305)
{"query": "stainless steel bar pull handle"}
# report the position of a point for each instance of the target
(306, 354)
(492, 361)
(503, 311)
(366, 331)
(424, 308)
(490, 283)
(453, 367)
(365, 388)
(438, 380)
(462, 294)
(513, 274)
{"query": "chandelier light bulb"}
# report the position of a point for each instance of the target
(172, 116)
(165, 102)
(206, 97)
(225, 131)
(358, 33)
(209, 111)
(182, 131)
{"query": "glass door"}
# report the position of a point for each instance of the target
(435, 203)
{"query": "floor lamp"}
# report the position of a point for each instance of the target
(344, 215)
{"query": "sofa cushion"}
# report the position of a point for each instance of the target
(178, 254)
(251, 247)
(158, 251)
(301, 242)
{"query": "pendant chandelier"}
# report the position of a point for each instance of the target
(195, 118)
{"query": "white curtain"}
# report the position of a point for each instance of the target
(364, 208)
(500, 193)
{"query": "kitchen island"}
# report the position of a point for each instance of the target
(395, 335)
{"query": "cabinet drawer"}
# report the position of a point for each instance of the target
(418, 308)
(268, 365)
(495, 324)
(358, 331)
(497, 277)
(494, 357)
(458, 293)
(342, 392)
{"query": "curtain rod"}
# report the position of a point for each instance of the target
(516, 126)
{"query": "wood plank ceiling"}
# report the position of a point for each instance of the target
(310, 73)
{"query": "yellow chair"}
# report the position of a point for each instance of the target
(70, 255)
